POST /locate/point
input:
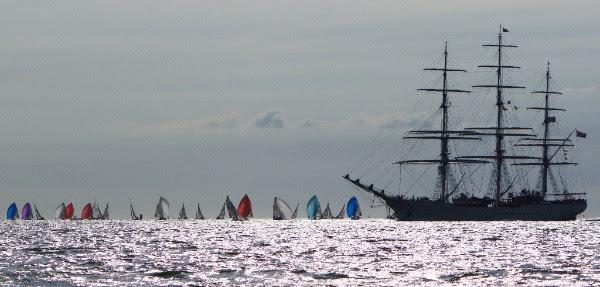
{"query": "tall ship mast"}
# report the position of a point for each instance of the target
(505, 203)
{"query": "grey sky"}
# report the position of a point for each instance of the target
(196, 100)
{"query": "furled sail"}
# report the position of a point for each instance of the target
(59, 213)
(199, 214)
(38, 216)
(341, 213)
(313, 208)
(281, 210)
(244, 209)
(12, 212)
(353, 208)
(182, 213)
(295, 213)
(231, 209)
(69, 211)
(162, 209)
(105, 213)
(27, 212)
(86, 212)
(327, 213)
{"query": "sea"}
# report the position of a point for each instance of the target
(263, 252)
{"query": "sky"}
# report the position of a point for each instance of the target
(195, 100)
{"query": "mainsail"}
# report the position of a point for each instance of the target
(105, 213)
(59, 213)
(233, 214)
(162, 209)
(182, 213)
(38, 216)
(69, 211)
(341, 214)
(244, 209)
(132, 212)
(327, 213)
(295, 213)
(199, 214)
(86, 212)
(26, 212)
(313, 208)
(96, 212)
(12, 212)
(222, 213)
(281, 210)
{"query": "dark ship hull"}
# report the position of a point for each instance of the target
(430, 210)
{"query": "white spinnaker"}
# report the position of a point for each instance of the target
(59, 213)
(281, 209)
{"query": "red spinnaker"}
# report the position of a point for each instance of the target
(86, 213)
(245, 207)
(69, 211)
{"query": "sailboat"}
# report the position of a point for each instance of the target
(230, 209)
(353, 208)
(341, 213)
(105, 213)
(281, 210)
(313, 208)
(295, 213)
(86, 212)
(69, 211)
(182, 213)
(244, 209)
(59, 213)
(327, 212)
(199, 214)
(162, 209)
(38, 216)
(509, 196)
(12, 212)
(96, 212)
(132, 212)
(27, 212)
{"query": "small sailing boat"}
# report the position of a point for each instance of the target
(12, 212)
(132, 212)
(244, 209)
(230, 209)
(295, 213)
(182, 213)
(341, 213)
(327, 212)
(27, 212)
(162, 209)
(353, 208)
(38, 216)
(199, 214)
(313, 208)
(105, 213)
(96, 212)
(59, 213)
(86, 212)
(69, 211)
(281, 210)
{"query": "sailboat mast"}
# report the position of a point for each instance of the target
(499, 138)
(545, 160)
(443, 168)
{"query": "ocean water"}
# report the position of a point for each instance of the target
(262, 252)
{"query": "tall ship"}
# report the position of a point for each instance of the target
(517, 153)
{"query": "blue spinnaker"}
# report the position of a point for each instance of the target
(352, 207)
(312, 207)
(12, 212)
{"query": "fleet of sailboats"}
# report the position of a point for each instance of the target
(244, 210)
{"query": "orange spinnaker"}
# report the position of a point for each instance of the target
(245, 207)
(86, 213)
(69, 211)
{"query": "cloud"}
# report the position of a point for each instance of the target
(272, 119)
(229, 122)
(308, 124)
